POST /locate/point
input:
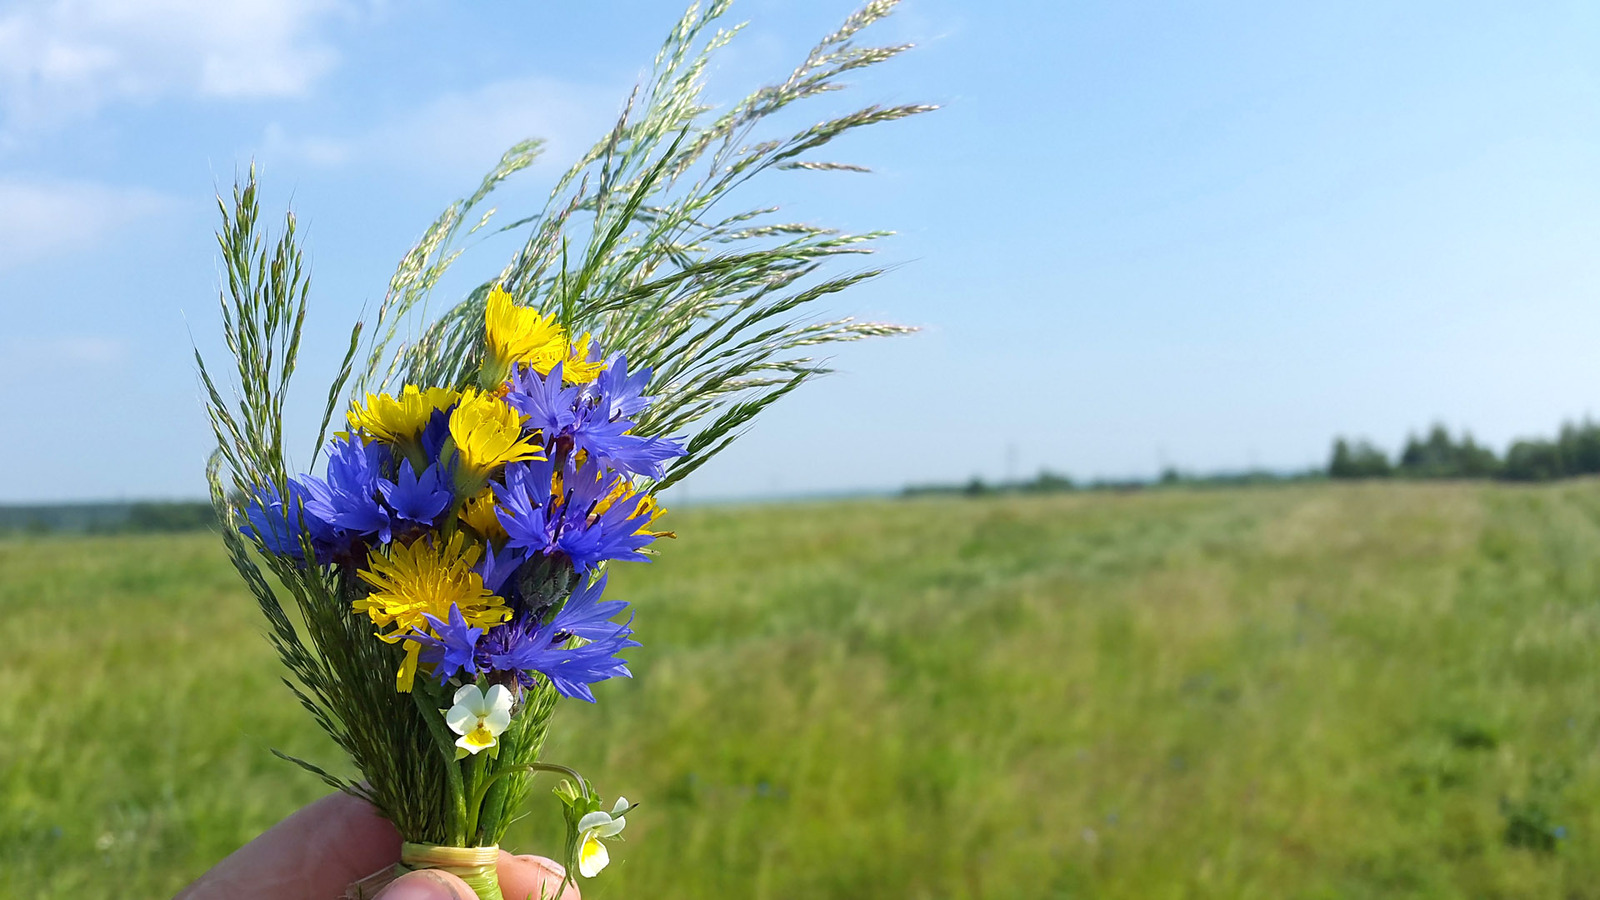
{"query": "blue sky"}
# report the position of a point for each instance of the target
(1136, 234)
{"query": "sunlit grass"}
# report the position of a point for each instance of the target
(1310, 691)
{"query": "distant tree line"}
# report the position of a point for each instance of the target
(1575, 451)
(1047, 482)
(106, 518)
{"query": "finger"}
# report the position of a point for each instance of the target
(428, 884)
(522, 877)
(311, 855)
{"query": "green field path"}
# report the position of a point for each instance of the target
(1380, 690)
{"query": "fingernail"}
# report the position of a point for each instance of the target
(549, 865)
(424, 885)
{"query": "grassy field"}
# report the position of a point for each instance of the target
(1315, 691)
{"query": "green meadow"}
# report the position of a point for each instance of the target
(1307, 691)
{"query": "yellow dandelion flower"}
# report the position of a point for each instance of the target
(576, 368)
(516, 334)
(479, 514)
(399, 420)
(486, 434)
(425, 577)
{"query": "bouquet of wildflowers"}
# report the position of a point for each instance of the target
(441, 585)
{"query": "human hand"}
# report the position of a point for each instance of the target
(318, 851)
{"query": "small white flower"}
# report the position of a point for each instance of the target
(592, 857)
(479, 717)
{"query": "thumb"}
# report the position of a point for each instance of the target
(427, 884)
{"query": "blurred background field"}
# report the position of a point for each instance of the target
(1305, 690)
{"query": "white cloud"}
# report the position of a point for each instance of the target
(89, 350)
(38, 218)
(61, 59)
(77, 350)
(319, 151)
(467, 131)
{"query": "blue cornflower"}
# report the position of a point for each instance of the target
(622, 395)
(597, 422)
(585, 616)
(527, 646)
(591, 535)
(495, 570)
(618, 398)
(525, 503)
(572, 669)
(348, 496)
(435, 433)
(280, 526)
(550, 408)
(415, 498)
(609, 443)
(454, 650)
(573, 524)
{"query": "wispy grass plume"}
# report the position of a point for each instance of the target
(637, 244)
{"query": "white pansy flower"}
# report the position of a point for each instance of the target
(479, 717)
(592, 856)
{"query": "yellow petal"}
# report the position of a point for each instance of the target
(517, 334)
(408, 668)
(593, 857)
(479, 738)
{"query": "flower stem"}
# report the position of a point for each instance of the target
(477, 786)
